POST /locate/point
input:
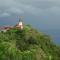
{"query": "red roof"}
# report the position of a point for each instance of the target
(5, 27)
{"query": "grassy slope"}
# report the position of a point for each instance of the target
(27, 44)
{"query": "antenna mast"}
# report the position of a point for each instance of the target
(20, 18)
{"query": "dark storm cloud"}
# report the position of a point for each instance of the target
(46, 11)
(29, 6)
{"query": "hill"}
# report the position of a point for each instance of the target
(27, 44)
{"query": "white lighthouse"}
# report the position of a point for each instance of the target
(20, 24)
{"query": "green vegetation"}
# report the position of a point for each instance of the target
(27, 44)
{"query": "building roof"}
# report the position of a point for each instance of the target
(5, 27)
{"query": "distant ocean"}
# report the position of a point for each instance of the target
(55, 34)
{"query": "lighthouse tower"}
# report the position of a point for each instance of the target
(20, 24)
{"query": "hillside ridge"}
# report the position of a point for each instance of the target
(27, 44)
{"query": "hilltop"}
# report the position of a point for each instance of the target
(27, 44)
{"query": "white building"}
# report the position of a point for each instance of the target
(19, 25)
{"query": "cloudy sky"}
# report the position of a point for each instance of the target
(44, 14)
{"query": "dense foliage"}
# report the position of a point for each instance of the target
(27, 44)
